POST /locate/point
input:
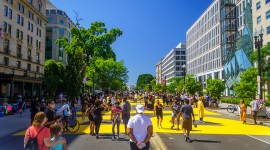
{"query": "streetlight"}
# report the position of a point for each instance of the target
(184, 74)
(258, 41)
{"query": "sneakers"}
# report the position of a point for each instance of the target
(113, 138)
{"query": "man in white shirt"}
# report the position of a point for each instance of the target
(254, 109)
(140, 130)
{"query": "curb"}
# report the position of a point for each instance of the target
(235, 116)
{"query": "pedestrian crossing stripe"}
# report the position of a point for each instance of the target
(214, 125)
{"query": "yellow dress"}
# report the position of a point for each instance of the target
(243, 112)
(201, 109)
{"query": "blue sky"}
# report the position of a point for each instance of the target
(151, 28)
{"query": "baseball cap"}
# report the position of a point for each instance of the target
(140, 108)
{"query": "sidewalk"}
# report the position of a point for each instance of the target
(10, 124)
(222, 109)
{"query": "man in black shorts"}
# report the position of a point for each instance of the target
(159, 113)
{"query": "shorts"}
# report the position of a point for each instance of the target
(175, 115)
(90, 117)
(126, 118)
(187, 124)
(160, 116)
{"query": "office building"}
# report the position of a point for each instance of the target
(59, 25)
(171, 65)
(22, 45)
(158, 72)
(204, 45)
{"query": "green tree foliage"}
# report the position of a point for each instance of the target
(247, 86)
(176, 84)
(192, 86)
(109, 74)
(54, 77)
(143, 80)
(158, 87)
(265, 61)
(95, 42)
(215, 87)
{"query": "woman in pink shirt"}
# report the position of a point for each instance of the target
(43, 133)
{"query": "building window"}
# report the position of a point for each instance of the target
(37, 57)
(61, 21)
(18, 19)
(5, 10)
(29, 55)
(18, 34)
(29, 67)
(259, 20)
(18, 64)
(258, 5)
(268, 14)
(30, 1)
(9, 29)
(19, 51)
(6, 46)
(10, 13)
(6, 61)
(22, 21)
(5, 27)
(37, 69)
(267, 1)
(268, 30)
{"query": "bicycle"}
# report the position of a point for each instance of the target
(73, 125)
(232, 108)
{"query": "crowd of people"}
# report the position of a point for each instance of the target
(48, 123)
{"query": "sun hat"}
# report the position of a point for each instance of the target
(140, 108)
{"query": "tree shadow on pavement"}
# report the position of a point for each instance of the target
(204, 141)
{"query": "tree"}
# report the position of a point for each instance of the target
(109, 74)
(158, 88)
(191, 85)
(215, 87)
(54, 74)
(248, 83)
(143, 80)
(95, 42)
(265, 61)
(176, 84)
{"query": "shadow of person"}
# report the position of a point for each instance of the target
(204, 141)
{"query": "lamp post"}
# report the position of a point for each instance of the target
(184, 75)
(258, 41)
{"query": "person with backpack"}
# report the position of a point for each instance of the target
(38, 137)
(65, 110)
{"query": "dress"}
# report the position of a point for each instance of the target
(243, 112)
(201, 109)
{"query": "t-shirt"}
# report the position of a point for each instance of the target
(176, 108)
(97, 112)
(57, 146)
(116, 110)
(126, 108)
(187, 111)
(50, 114)
(44, 133)
(254, 105)
(139, 123)
(158, 110)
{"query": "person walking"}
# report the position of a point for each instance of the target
(34, 109)
(175, 107)
(116, 119)
(21, 103)
(201, 109)
(140, 130)
(254, 109)
(41, 132)
(50, 113)
(187, 112)
(243, 111)
(126, 113)
(89, 113)
(158, 111)
(97, 116)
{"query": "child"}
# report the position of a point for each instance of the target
(58, 120)
(56, 133)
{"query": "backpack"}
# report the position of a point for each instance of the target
(32, 142)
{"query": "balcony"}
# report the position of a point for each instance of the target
(29, 58)
(8, 51)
